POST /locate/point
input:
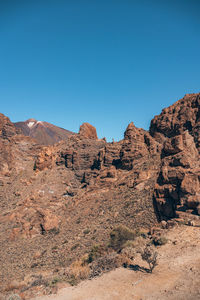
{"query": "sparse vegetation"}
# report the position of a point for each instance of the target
(79, 271)
(54, 281)
(107, 262)
(159, 241)
(72, 281)
(95, 252)
(120, 235)
(137, 244)
(150, 256)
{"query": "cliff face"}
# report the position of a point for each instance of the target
(51, 195)
(177, 129)
(176, 119)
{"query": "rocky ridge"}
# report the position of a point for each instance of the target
(58, 200)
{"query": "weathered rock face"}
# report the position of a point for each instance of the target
(7, 128)
(50, 196)
(32, 221)
(88, 131)
(79, 154)
(96, 162)
(178, 183)
(15, 149)
(181, 116)
(45, 159)
(137, 144)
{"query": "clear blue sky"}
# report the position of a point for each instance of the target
(106, 62)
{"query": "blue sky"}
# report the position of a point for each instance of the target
(106, 62)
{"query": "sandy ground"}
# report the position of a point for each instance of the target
(177, 275)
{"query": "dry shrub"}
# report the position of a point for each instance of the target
(105, 263)
(120, 235)
(128, 255)
(150, 256)
(79, 271)
(159, 241)
(138, 244)
(54, 281)
(126, 258)
(95, 252)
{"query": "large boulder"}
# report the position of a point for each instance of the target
(88, 131)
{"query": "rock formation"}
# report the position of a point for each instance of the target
(50, 196)
(7, 128)
(88, 131)
(176, 128)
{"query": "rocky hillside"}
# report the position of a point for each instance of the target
(43, 132)
(57, 201)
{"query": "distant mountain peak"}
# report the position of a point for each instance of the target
(43, 132)
(31, 122)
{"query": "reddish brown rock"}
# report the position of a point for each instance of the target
(176, 127)
(80, 154)
(88, 185)
(190, 184)
(45, 159)
(88, 131)
(181, 116)
(193, 201)
(7, 128)
(136, 144)
(32, 221)
(49, 221)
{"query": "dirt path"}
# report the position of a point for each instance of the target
(177, 275)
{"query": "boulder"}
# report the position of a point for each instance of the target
(88, 131)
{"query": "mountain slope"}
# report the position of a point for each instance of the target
(43, 132)
(58, 201)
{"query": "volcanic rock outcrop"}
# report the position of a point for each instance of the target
(177, 128)
(58, 200)
(181, 116)
(7, 128)
(88, 131)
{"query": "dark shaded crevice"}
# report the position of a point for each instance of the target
(43, 231)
